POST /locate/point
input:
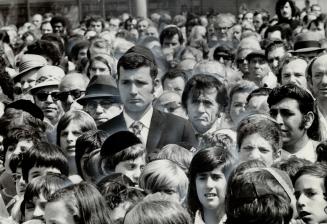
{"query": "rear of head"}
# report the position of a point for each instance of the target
(84, 202)
(157, 211)
(164, 176)
(44, 156)
(257, 197)
(178, 154)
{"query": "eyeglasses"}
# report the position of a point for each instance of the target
(241, 60)
(43, 96)
(106, 104)
(225, 57)
(75, 93)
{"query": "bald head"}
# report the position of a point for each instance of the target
(70, 88)
(73, 81)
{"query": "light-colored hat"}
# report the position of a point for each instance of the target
(48, 75)
(29, 62)
(307, 42)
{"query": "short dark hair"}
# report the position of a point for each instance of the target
(87, 143)
(79, 45)
(305, 100)
(130, 153)
(44, 154)
(274, 28)
(280, 4)
(174, 73)
(263, 125)
(56, 40)
(45, 185)
(22, 133)
(275, 44)
(95, 18)
(200, 83)
(262, 91)
(292, 165)
(169, 33)
(45, 48)
(134, 61)
(59, 19)
(117, 188)
(317, 169)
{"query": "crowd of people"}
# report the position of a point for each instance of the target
(214, 118)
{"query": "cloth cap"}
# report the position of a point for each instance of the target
(117, 142)
(29, 62)
(48, 75)
(256, 53)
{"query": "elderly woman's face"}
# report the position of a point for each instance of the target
(286, 11)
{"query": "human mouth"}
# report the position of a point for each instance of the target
(305, 215)
(210, 195)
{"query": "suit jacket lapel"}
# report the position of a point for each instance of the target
(155, 130)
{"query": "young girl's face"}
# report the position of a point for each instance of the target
(311, 203)
(57, 213)
(211, 188)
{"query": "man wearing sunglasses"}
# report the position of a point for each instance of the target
(101, 99)
(71, 88)
(46, 92)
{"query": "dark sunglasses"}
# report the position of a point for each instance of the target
(43, 96)
(75, 93)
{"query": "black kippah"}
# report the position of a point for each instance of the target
(117, 142)
(27, 106)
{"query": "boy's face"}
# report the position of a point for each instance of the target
(41, 171)
(309, 193)
(131, 168)
(34, 209)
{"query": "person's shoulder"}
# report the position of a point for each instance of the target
(168, 116)
(117, 120)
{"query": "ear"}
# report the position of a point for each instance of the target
(156, 85)
(104, 166)
(277, 155)
(308, 119)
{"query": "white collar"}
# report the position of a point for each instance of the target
(145, 119)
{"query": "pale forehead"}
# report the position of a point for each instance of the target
(320, 64)
(70, 82)
(297, 64)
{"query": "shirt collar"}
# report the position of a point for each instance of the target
(145, 120)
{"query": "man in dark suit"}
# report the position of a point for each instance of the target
(137, 80)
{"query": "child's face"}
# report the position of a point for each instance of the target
(211, 188)
(19, 181)
(57, 213)
(309, 193)
(34, 209)
(41, 171)
(131, 168)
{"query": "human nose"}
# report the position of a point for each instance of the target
(136, 175)
(99, 109)
(70, 99)
(279, 119)
(209, 182)
(254, 154)
(70, 137)
(38, 212)
(133, 89)
(49, 99)
(324, 79)
(275, 63)
(25, 86)
(301, 201)
(201, 108)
